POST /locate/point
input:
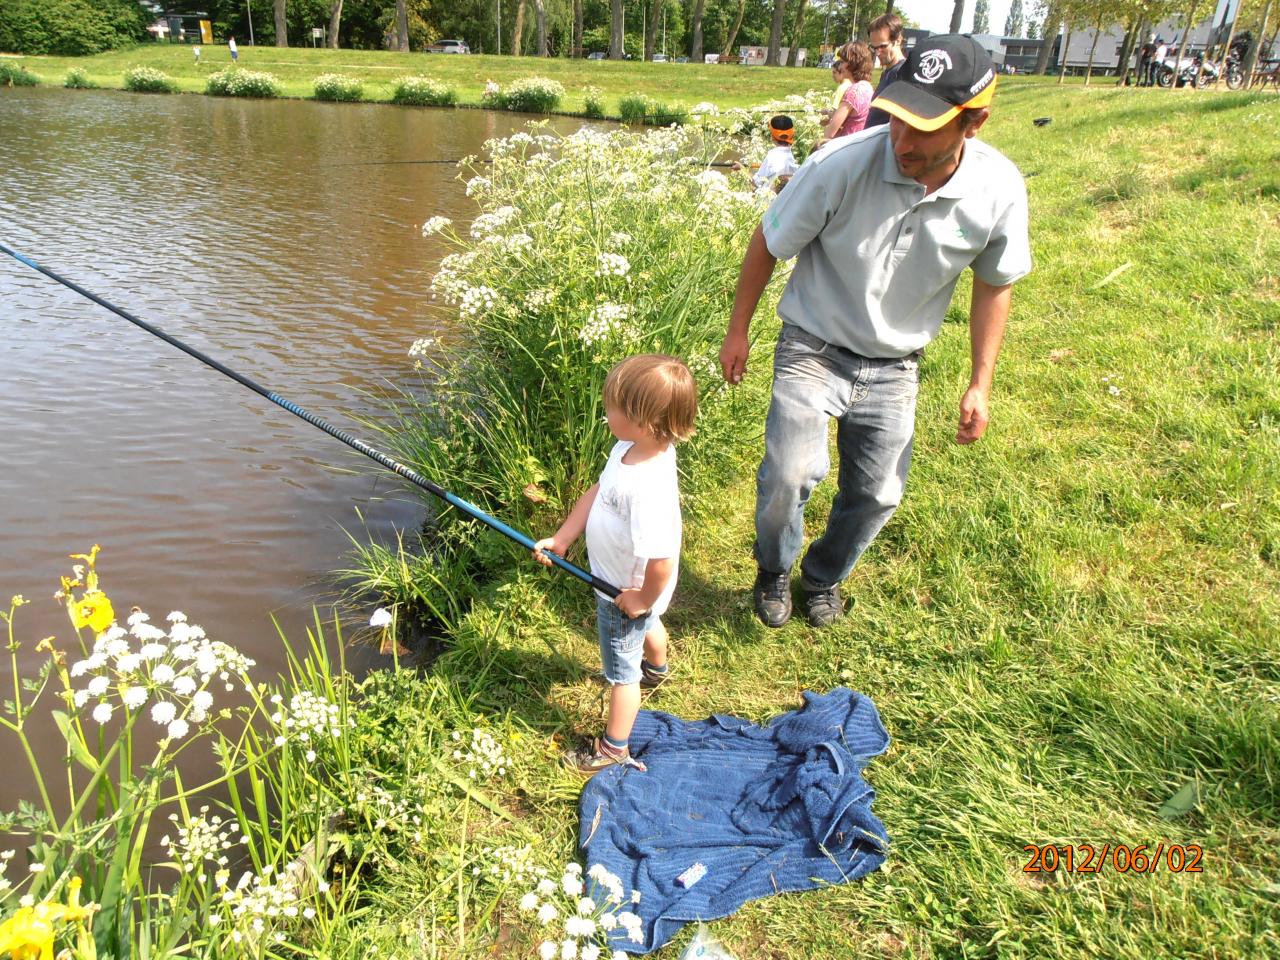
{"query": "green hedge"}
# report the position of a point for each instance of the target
(12, 75)
(70, 27)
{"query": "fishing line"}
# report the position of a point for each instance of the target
(354, 443)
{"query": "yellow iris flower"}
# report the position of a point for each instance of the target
(29, 933)
(93, 610)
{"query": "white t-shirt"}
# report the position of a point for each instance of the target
(778, 162)
(635, 519)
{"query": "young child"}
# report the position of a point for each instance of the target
(631, 517)
(779, 163)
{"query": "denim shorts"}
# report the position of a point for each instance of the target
(621, 641)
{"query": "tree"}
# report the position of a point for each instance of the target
(1188, 22)
(615, 30)
(282, 24)
(797, 31)
(335, 21)
(1013, 22)
(576, 43)
(695, 41)
(957, 17)
(651, 31)
(733, 31)
(540, 18)
(402, 26)
(981, 17)
(1033, 30)
(1049, 33)
(775, 33)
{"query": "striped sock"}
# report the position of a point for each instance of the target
(648, 667)
(612, 746)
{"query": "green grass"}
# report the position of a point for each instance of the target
(297, 68)
(1063, 624)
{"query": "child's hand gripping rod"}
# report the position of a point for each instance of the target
(356, 444)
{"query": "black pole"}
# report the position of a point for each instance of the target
(356, 444)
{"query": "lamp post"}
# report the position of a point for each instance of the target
(249, 9)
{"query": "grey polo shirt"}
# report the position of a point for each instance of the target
(879, 260)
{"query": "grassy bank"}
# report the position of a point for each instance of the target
(297, 68)
(1064, 626)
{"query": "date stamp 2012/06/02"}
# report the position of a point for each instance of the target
(1117, 857)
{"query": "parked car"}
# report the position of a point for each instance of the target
(659, 58)
(449, 46)
(598, 55)
(682, 59)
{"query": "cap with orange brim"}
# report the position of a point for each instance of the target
(941, 76)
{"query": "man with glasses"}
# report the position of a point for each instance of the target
(885, 39)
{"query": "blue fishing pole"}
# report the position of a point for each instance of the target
(354, 443)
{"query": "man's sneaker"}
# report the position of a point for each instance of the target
(772, 596)
(595, 757)
(650, 678)
(823, 607)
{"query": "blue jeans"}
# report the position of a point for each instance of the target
(873, 402)
(621, 641)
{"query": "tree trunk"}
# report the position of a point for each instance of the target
(282, 26)
(402, 26)
(651, 34)
(775, 33)
(517, 35)
(1097, 32)
(577, 29)
(695, 45)
(1132, 31)
(733, 31)
(335, 21)
(957, 15)
(1251, 56)
(797, 30)
(1066, 42)
(540, 15)
(1051, 21)
(1182, 44)
(1226, 51)
(615, 31)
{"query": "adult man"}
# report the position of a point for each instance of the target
(883, 222)
(884, 36)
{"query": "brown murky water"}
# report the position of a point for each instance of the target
(243, 229)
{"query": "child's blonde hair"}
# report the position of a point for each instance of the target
(656, 392)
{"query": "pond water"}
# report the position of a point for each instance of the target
(251, 231)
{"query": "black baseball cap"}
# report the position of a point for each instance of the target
(941, 76)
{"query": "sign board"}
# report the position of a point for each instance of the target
(317, 33)
(206, 31)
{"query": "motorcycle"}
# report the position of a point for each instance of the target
(1184, 72)
(1235, 63)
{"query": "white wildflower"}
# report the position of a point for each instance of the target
(529, 902)
(381, 618)
(102, 712)
(178, 729)
(547, 950)
(569, 950)
(612, 265)
(163, 713)
(98, 686)
(435, 225)
(546, 913)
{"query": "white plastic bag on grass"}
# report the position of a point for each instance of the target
(704, 946)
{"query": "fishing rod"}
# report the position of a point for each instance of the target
(356, 444)
(388, 163)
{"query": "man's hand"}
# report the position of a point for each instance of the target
(973, 415)
(733, 356)
(632, 604)
(549, 544)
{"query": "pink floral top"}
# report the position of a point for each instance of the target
(858, 99)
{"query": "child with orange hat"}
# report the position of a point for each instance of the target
(779, 163)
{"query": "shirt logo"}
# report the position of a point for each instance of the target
(932, 65)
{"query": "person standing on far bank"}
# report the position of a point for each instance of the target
(235, 52)
(882, 223)
(885, 39)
